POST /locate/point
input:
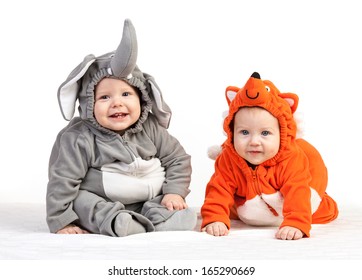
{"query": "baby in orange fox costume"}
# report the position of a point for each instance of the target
(264, 175)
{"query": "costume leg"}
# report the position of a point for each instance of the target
(327, 210)
(166, 220)
(317, 168)
(100, 216)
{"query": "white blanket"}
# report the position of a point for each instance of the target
(24, 236)
(28, 249)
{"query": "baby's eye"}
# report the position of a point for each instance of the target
(126, 93)
(265, 133)
(267, 88)
(104, 97)
(244, 132)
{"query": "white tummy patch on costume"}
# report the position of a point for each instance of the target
(136, 182)
(257, 213)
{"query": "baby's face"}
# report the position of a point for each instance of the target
(256, 134)
(117, 104)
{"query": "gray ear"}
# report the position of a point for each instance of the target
(159, 107)
(125, 57)
(68, 91)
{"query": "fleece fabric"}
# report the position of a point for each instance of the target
(286, 190)
(95, 173)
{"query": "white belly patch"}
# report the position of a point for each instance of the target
(256, 211)
(136, 182)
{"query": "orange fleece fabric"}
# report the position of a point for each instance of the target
(286, 190)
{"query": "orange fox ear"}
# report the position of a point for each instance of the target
(292, 99)
(230, 93)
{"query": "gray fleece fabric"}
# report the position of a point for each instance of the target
(109, 183)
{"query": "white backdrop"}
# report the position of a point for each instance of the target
(194, 49)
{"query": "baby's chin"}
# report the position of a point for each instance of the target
(255, 160)
(255, 163)
(258, 158)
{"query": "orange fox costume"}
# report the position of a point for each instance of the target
(286, 190)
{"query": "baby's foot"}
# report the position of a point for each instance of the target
(182, 220)
(125, 225)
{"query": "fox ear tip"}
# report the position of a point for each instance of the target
(230, 93)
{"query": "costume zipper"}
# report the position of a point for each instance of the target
(255, 180)
(258, 190)
(125, 144)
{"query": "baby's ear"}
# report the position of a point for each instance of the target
(230, 93)
(292, 100)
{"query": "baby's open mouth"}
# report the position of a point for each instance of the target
(118, 115)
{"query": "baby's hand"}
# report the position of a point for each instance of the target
(216, 229)
(71, 229)
(289, 233)
(173, 202)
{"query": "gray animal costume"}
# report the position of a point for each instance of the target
(109, 183)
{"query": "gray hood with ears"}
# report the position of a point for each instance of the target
(120, 64)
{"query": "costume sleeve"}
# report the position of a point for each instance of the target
(219, 196)
(297, 193)
(173, 157)
(68, 164)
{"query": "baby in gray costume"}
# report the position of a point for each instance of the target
(115, 169)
